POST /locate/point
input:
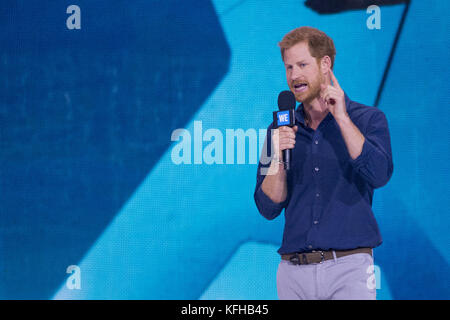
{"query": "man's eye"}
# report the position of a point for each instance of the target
(302, 65)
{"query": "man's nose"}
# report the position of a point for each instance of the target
(296, 73)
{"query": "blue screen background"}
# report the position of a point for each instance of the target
(86, 170)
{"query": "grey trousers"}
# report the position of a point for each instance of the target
(345, 278)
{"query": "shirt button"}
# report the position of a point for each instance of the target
(310, 246)
(316, 222)
(316, 141)
(317, 194)
(316, 168)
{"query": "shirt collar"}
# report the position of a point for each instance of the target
(300, 117)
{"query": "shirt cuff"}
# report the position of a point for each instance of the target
(362, 159)
(268, 208)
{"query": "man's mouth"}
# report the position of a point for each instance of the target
(300, 87)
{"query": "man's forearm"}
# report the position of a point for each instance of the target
(354, 139)
(275, 185)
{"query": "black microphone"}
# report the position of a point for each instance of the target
(285, 117)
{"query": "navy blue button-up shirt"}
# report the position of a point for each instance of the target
(329, 202)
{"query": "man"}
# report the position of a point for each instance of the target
(341, 152)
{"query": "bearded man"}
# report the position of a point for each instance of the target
(341, 152)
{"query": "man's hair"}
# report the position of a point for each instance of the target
(319, 43)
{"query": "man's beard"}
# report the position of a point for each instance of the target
(312, 92)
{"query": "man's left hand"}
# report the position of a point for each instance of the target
(334, 98)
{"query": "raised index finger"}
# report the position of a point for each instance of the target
(333, 78)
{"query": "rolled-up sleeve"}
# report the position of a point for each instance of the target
(266, 207)
(375, 162)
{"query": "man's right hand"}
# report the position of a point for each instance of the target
(286, 139)
(274, 184)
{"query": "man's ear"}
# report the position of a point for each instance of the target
(325, 64)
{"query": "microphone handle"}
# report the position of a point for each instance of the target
(287, 153)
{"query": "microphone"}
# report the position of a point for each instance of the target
(285, 117)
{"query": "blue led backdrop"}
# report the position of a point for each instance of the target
(89, 190)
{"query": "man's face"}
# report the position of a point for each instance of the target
(303, 73)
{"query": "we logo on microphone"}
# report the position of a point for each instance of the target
(283, 118)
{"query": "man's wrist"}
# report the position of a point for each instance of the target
(276, 165)
(343, 120)
(277, 160)
(275, 168)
